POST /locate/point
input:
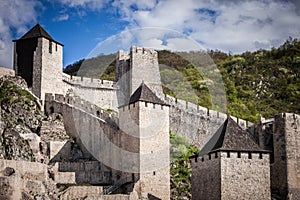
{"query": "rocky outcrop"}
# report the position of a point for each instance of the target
(20, 119)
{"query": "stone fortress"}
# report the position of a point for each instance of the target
(128, 149)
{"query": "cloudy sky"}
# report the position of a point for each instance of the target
(81, 25)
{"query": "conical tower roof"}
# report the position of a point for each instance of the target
(230, 136)
(36, 32)
(144, 93)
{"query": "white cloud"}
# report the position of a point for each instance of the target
(89, 4)
(63, 17)
(15, 15)
(227, 25)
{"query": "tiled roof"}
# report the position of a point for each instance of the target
(143, 93)
(36, 32)
(230, 136)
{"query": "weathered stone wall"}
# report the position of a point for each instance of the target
(144, 67)
(286, 166)
(141, 65)
(195, 123)
(154, 149)
(150, 124)
(206, 178)
(80, 192)
(99, 92)
(47, 68)
(97, 135)
(27, 177)
(6, 71)
(247, 177)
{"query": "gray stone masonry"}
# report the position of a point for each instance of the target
(231, 175)
(286, 167)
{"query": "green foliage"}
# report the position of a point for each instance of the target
(180, 169)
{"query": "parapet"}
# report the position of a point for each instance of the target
(78, 103)
(140, 50)
(196, 109)
(227, 154)
(89, 82)
(122, 55)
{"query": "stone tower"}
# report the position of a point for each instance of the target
(38, 59)
(147, 117)
(285, 176)
(141, 65)
(231, 166)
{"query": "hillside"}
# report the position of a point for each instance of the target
(261, 83)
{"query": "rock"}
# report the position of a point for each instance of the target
(20, 115)
(8, 171)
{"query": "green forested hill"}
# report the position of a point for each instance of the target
(260, 83)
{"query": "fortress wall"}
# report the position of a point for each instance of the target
(197, 124)
(144, 67)
(102, 93)
(286, 167)
(96, 136)
(206, 177)
(47, 68)
(245, 177)
(22, 180)
(80, 192)
(231, 175)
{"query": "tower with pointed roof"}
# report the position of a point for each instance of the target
(38, 59)
(147, 117)
(231, 166)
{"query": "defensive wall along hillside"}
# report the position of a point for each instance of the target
(197, 123)
(99, 92)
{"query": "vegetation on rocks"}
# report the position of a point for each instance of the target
(20, 115)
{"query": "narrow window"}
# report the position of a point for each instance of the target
(154, 173)
(239, 154)
(260, 156)
(209, 156)
(56, 47)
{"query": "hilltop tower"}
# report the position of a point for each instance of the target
(231, 166)
(146, 117)
(141, 65)
(38, 59)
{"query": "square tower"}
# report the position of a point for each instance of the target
(146, 117)
(141, 65)
(231, 166)
(38, 59)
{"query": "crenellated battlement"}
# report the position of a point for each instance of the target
(78, 103)
(142, 51)
(122, 55)
(227, 154)
(194, 109)
(88, 82)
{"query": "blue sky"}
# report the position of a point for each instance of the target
(83, 25)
